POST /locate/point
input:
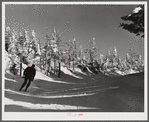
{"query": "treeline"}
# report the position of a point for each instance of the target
(25, 48)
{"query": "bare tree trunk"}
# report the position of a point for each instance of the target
(69, 61)
(40, 64)
(73, 64)
(21, 66)
(54, 64)
(49, 66)
(46, 68)
(40, 56)
(73, 60)
(59, 73)
(43, 63)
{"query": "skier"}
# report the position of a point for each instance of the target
(29, 74)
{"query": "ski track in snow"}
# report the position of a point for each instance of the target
(41, 95)
(11, 80)
(61, 90)
(93, 91)
(29, 105)
(65, 95)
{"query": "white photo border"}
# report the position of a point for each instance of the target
(46, 116)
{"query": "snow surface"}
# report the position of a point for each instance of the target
(66, 71)
(119, 72)
(9, 78)
(79, 71)
(45, 96)
(28, 105)
(62, 95)
(41, 76)
(78, 91)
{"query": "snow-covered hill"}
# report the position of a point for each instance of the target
(74, 91)
(69, 93)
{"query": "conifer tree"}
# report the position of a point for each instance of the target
(80, 54)
(47, 53)
(8, 36)
(136, 21)
(74, 56)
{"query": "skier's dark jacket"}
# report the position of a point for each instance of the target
(29, 72)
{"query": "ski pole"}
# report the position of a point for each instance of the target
(33, 82)
(36, 84)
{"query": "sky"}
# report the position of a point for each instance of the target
(86, 22)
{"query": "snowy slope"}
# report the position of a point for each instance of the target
(10, 80)
(95, 95)
(74, 91)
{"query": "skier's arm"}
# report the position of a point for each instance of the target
(34, 73)
(24, 72)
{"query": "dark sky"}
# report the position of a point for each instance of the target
(85, 21)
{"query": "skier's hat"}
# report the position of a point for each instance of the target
(33, 65)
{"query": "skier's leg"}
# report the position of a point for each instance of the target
(25, 81)
(29, 82)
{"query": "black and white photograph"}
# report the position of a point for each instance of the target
(74, 60)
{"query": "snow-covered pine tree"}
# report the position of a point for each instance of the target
(80, 55)
(57, 45)
(136, 21)
(46, 55)
(74, 51)
(12, 51)
(90, 52)
(8, 35)
(69, 51)
(35, 44)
